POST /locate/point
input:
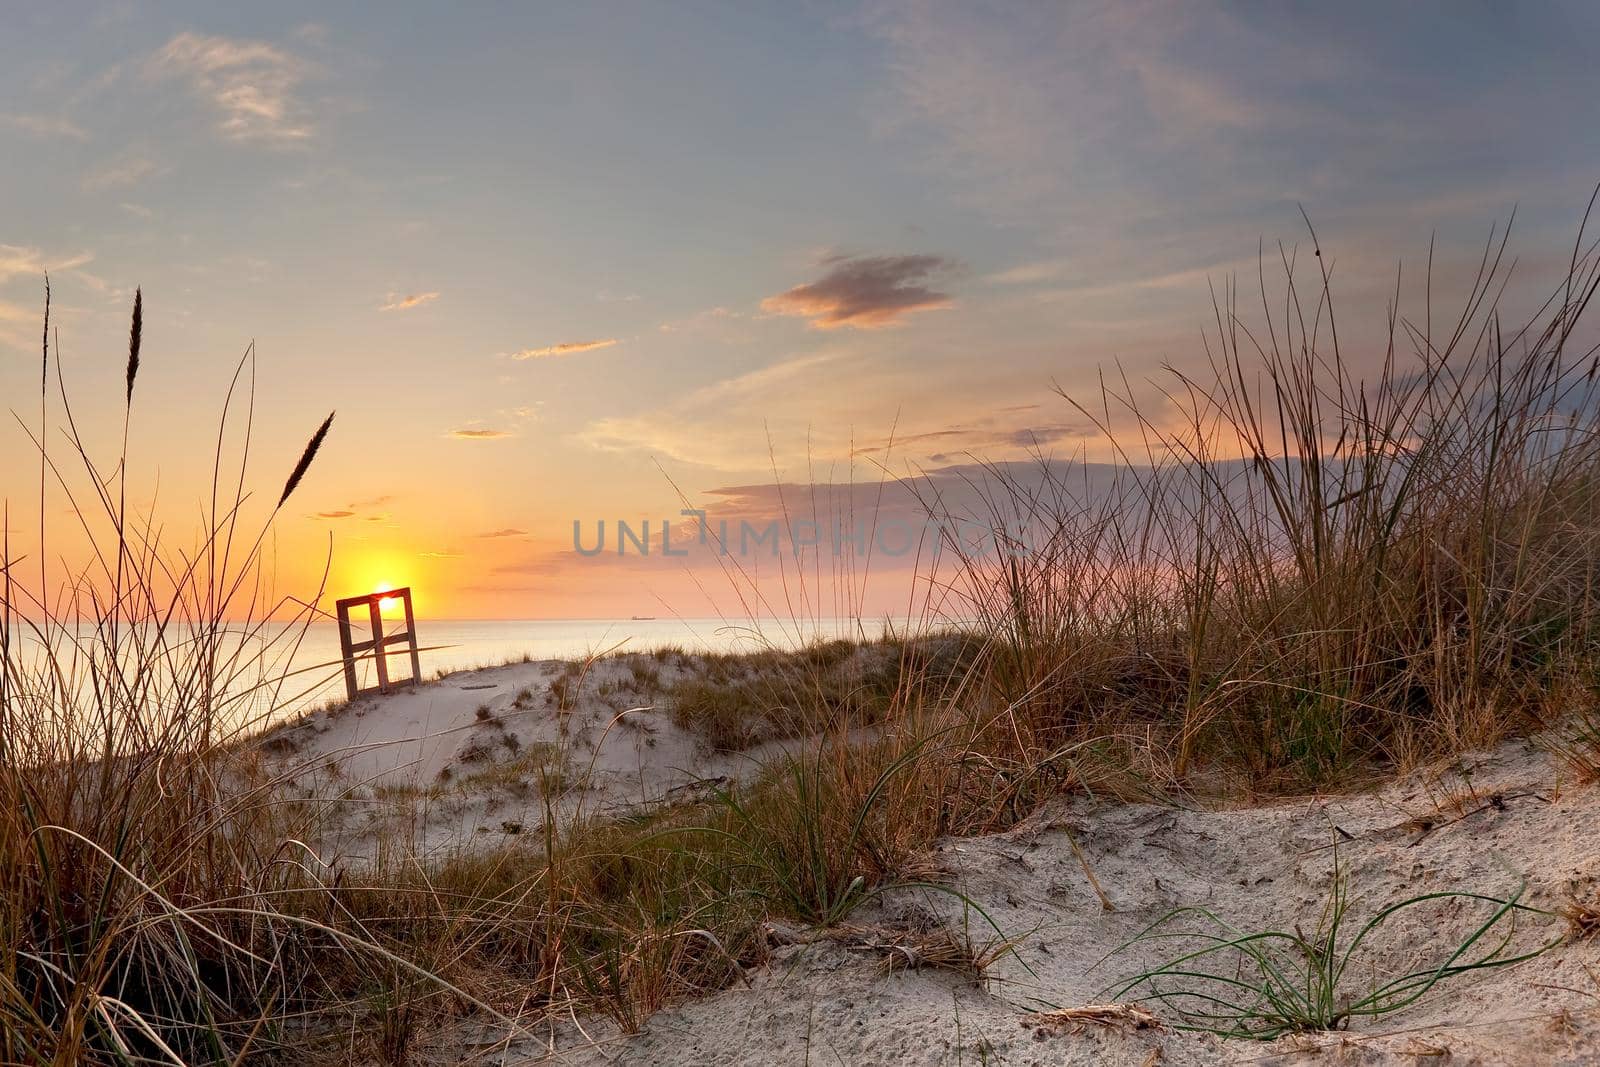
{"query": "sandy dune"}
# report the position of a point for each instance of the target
(457, 759)
(1485, 825)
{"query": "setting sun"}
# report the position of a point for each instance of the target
(384, 570)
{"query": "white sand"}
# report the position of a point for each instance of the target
(455, 760)
(1508, 818)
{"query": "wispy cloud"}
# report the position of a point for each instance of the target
(252, 85)
(982, 441)
(28, 261)
(19, 326)
(440, 554)
(509, 531)
(364, 509)
(702, 426)
(566, 348)
(1048, 270)
(124, 170)
(45, 126)
(12, 313)
(479, 435)
(397, 302)
(699, 320)
(865, 291)
(19, 323)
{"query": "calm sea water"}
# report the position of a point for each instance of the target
(453, 645)
(312, 673)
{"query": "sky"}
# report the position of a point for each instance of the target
(557, 265)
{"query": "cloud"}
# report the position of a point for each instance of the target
(701, 319)
(130, 168)
(19, 327)
(338, 514)
(442, 554)
(19, 323)
(978, 440)
(252, 85)
(396, 302)
(767, 417)
(1032, 273)
(707, 426)
(479, 435)
(26, 260)
(45, 126)
(509, 531)
(13, 313)
(566, 348)
(865, 291)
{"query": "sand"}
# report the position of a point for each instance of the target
(459, 760)
(1486, 824)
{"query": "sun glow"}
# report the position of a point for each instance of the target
(379, 571)
(389, 605)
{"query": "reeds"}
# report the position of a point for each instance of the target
(1310, 560)
(139, 874)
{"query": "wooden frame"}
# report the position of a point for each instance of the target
(379, 645)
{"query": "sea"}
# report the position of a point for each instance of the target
(454, 645)
(279, 672)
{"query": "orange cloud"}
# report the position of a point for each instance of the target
(865, 292)
(567, 348)
(509, 531)
(252, 85)
(479, 435)
(396, 302)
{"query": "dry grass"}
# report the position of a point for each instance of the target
(1305, 562)
(1301, 572)
(1583, 919)
(1107, 1016)
(934, 945)
(1577, 745)
(735, 701)
(141, 872)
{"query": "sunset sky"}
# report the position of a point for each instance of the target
(567, 263)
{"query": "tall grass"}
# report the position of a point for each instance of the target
(138, 875)
(1309, 558)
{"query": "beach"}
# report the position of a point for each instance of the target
(1055, 898)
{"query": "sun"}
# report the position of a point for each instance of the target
(378, 574)
(388, 605)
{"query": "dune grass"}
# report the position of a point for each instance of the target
(1308, 561)
(1261, 984)
(1302, 566)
